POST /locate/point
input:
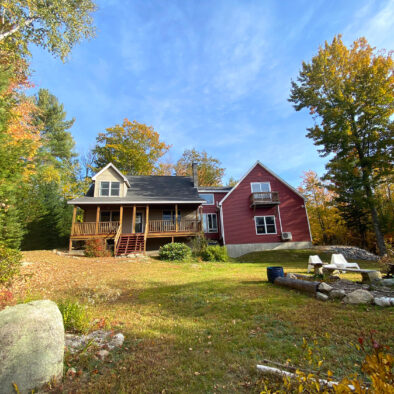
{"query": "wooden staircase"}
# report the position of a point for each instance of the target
(130, 243)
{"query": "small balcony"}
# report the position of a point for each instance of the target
(264, 198)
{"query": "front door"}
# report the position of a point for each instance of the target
(138, 222)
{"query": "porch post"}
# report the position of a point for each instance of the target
(97, 218)
(146, 225)
(121, 218)
(73, 221)
(133, 221)
(176, 218)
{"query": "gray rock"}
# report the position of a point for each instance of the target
(31, 346)
(324, 287)
(337, 294)
(387, 282)
(359, 296)
(116, 341)
(383, 301)
(321, 296)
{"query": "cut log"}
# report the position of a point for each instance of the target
(302, 285)
(266, 370)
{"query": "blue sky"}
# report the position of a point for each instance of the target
(209, 74)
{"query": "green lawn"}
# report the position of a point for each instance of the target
(203, 327)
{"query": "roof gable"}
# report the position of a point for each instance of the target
(269, 171)
(110, 165)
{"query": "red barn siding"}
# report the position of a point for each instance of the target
(218, 196)
(238, 216)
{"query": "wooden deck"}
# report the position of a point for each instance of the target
(154, 229)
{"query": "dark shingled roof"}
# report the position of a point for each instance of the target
(152, 188)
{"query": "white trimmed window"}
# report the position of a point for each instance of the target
(210, 222)
(108, 188)
(260, 187)
(265, 224)
(209, 199)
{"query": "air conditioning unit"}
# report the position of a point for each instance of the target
(287, 237)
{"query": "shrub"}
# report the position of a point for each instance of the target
(214, 253)
(199, 244)
(96, 248)
(175, 251)
(75, 316)
(10, 261)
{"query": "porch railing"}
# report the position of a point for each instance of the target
(89, 228)
(169, 226)
(264, 198)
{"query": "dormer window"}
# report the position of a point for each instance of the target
(108, 188)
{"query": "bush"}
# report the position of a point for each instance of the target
(214, 253)
(10, 262)
(96, 248)
(199, 244)
(175, 251)
(75, 316)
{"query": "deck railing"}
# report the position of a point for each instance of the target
(169, 226)
(264, 198)
(89, 228)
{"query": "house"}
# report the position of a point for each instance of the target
(139, 213)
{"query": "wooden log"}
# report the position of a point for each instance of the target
(266, 370)
(302, 285)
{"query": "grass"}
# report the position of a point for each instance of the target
(203, 327)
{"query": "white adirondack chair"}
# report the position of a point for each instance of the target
(340, 261)
(314, 260)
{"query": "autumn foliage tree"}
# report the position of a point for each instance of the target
(132, 147)
(349, 92)
(210, 172)
(327, 226)
(55, 25)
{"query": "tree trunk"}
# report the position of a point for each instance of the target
(375, 220)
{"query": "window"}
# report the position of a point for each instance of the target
(106, 187)
(109, 216)
(208, 198)
(260, 187)
(170, 215)
(210, 222)
(115, 188)
(265, 224)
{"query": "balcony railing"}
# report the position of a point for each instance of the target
(169, 226)
(264, 198)
(89, 228)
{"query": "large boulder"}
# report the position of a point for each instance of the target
(359, 296)
(31, 346)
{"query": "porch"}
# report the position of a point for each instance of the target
(136, 223)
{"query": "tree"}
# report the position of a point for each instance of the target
(349, 93)
(327, 226)
(134, 148)
(209, 171)
(56, 178)
(232, 182)
(19, 141)
(55, 25)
